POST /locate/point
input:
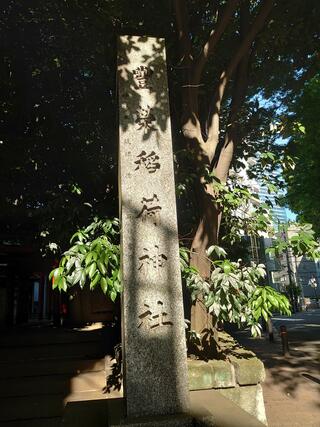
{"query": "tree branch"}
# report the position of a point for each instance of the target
(213, 137)
(223, 159)
(191, 127)
(182, 21)
(246, 43)
(213, 39)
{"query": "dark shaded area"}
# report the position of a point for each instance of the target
(59, 118)
(42, 367)
(58, 121)
(114, 380)
(82, 414)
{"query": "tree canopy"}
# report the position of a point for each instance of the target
(235, 68)
(303, 127)
(58, 121)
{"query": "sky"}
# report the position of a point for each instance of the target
(290, 215)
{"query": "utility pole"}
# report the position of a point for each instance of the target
(291, 282)
(313, 284)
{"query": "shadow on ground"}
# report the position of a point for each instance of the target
(292, 385)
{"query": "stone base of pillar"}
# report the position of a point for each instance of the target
(117, 418)
(208, 408)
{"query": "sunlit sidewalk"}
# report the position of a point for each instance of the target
(292, 386)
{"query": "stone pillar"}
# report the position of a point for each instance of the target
(153, 336)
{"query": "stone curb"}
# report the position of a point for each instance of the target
(240, 368)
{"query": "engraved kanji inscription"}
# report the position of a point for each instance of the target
(154, 318)
(152, 259)
(149, 161)
(142, 76)
(150, 209)
(145, 118)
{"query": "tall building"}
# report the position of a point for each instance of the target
(279, 212)
(285, 271)
(289, 269)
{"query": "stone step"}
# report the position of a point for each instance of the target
(53, 351)
(29, 336)
(212, 409)
(301, 419)
(50, 335)
(29, 407)
(85, 396)
(89, 413)
(34, 409)
(55, 384)
(25, 369)
(39, 422)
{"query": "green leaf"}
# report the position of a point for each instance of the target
(113, 295)
(63, 284)
(82, 278)
(264, 314)
(227, 268)
(82, 249)
(115, 258)
(273, 301)
(184, 255)
(257, 314)
(88, 258)
(77, 276)
(209, 301)
(102, 268)
(117, 286)
(51, 274)
(56, 282)
(104, 284)
(95, 280)
(92, 270)
(70, 263)
(220, 252)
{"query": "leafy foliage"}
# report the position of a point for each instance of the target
(232, 293)
(58, 139)
(58, 98)
(94, 259)
(302, 242)
(265, 300)
(243, 212)
(303, 129)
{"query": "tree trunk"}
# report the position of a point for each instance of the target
(206, 235)
(207, 154)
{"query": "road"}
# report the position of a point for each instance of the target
(302, 327)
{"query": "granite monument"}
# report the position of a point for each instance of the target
(153, 336)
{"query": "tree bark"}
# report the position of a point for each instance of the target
(206, 153)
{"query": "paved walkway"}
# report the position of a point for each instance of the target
(292, 386)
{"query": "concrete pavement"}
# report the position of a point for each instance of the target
(292, 386)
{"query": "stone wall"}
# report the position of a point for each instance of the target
(238, 376)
